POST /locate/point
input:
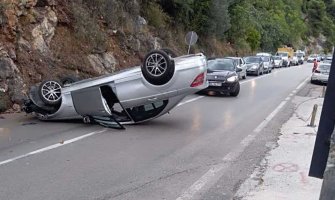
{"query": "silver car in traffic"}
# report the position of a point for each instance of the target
(131, 96)
(321, 73)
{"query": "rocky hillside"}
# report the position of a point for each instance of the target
(42, 39)
(48, 39)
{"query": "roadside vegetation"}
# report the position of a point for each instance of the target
(250, 24)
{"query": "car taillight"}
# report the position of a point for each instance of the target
(199, 80)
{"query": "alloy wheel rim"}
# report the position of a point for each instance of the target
(51, 91)
(156, 65)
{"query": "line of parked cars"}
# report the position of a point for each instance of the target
(224, 73)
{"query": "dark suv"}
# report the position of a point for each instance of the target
(222, 77)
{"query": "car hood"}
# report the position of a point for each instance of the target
(249, 65)
(219, 75)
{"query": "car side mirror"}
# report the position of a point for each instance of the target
(238, 69)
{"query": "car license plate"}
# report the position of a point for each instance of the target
(215, 84)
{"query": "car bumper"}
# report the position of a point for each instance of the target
(252, 71)
(320, 78)
(224, 88)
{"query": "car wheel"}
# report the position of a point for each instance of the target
(68, 80)
(236, 92)
(169, 52)
(158, 68)
(50, 92)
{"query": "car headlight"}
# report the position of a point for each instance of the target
(232, 79)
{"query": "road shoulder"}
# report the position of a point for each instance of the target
(283, 173)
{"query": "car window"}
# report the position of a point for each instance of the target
(252, 59)
(221, 65)
(148, 111)
(266, 59)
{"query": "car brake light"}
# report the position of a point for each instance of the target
(199, 80)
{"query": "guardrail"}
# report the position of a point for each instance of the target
(328, 185)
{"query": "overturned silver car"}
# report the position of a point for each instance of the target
(131, 96)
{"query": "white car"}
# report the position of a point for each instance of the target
(321, 73)
(285, 58)
(311, 58)
(278, 62)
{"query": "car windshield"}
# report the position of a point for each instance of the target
(276, 58)
(299, 54)
(266, 59)
(283, 54)
(252, 59)
(222, 64)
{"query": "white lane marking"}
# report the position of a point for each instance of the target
(191, 100)
(217, 171)
(54, 146)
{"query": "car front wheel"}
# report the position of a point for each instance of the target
(236, 92)
(50, 92)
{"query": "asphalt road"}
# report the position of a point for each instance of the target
(203, 149)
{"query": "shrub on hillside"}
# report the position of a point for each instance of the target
(87, 27)
(156, 16)
(4, 102)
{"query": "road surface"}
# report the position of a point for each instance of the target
(203, 149)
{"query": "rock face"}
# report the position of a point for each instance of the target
(10, 81)
(103, 63)
(50, 39)
(44, 32)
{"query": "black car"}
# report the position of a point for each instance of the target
(222, 77)
(255, 65)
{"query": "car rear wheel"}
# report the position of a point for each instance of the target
(67, 80)
(50, 92)
(236, 92)
(158, 68)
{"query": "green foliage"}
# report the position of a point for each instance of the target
(156, 16)
(253, 38)
(87, 27)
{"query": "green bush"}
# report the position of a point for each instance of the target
(4, 102)
(156, 16)
(87, 27)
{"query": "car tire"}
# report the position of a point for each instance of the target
(50, 92)
(236, 92)
(169, 52)
(68, 80)
(158, 68)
